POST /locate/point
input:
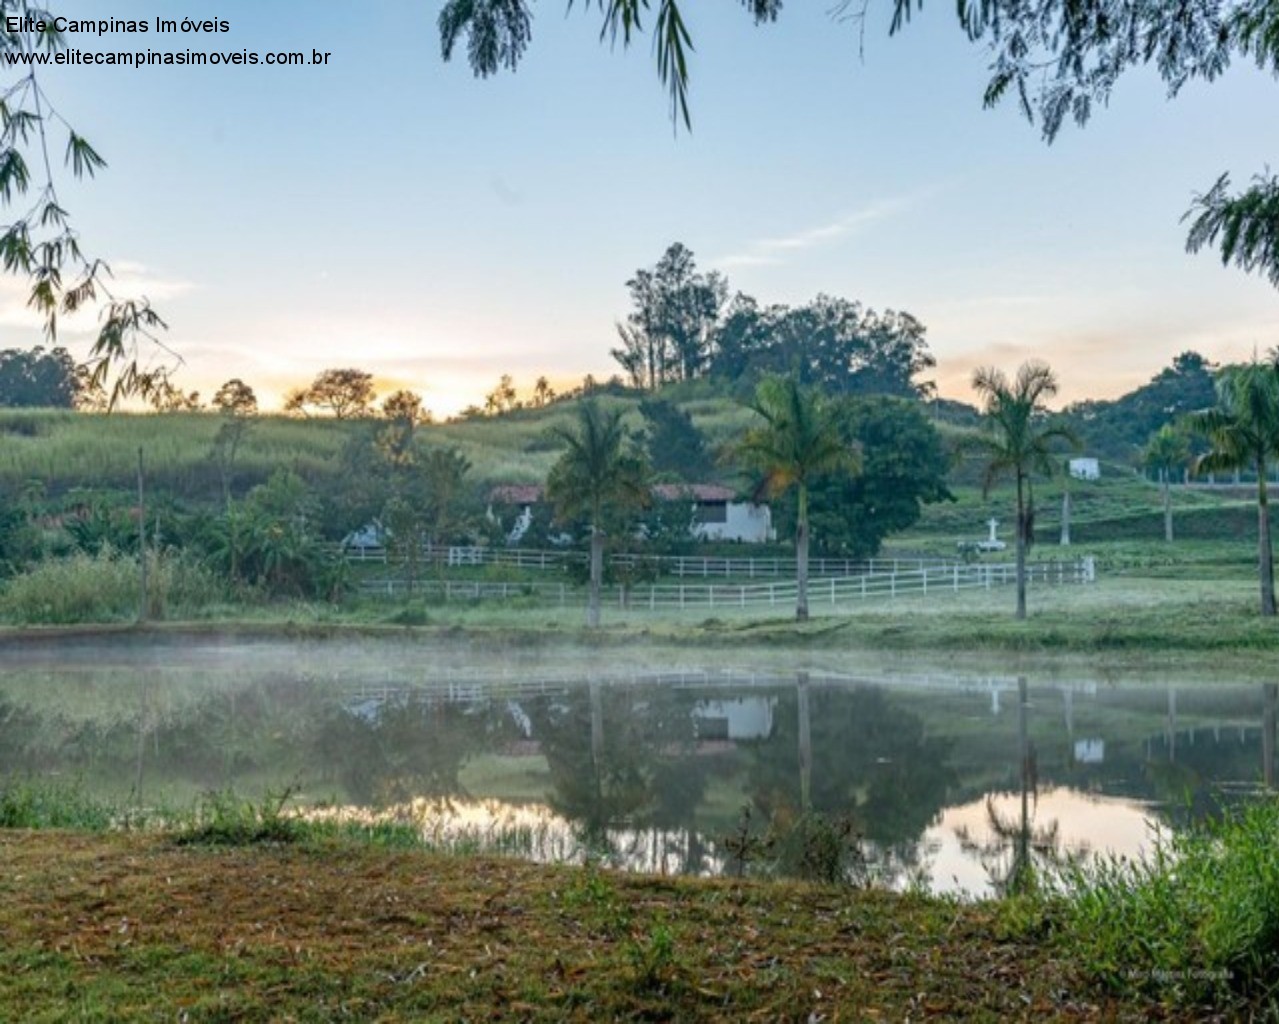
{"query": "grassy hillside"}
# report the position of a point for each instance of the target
(65, 450)
(60, 453)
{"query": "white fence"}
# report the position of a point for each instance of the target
(705, 567)
(832, 591)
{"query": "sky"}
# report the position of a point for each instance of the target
(389, 211)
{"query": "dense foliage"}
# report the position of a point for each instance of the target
(904, 466)
(39, 379)
(682, 327)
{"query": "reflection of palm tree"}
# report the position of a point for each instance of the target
(594, 763)
(1026, 841)
(880, 769)
(1270, 707)
(805, 743)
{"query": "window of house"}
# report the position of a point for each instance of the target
(712, 512)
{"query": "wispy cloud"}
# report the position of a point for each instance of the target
(773, 251)
(127, 280)
(135, 279)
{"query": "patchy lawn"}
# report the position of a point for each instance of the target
(134, 927)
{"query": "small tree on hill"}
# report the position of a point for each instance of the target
(1167, 452)
(238, 406)
(345, 393)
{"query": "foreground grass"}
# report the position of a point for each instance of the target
(134, 927)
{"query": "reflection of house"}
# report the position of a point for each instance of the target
(717, 515)
(743, 718)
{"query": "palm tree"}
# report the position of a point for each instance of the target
(1167, 451)
(1019, 442)
(798, 441)
(1243, 431)
(601, 474)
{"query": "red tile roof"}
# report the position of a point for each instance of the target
(531, 494)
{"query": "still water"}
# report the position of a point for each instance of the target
(649, 758)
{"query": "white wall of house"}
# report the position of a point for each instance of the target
(1085, 469)
(741, 521)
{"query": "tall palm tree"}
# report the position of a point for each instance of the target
(1243, 430)
(599, 475)
(1166, 452)
(798, 441)
(1019, 441)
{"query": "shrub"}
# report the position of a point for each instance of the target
(1196, 923)
(104, 588)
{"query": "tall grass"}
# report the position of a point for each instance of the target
(28, 804)
(1196, 923)
(105, 588)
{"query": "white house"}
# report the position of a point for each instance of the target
(717, 515)
(371, 535)
(1085, 469)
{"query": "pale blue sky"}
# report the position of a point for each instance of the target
(394, 213)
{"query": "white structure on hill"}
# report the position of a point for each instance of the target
(1085, 469)
(716, 512)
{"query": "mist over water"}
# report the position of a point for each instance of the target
(649, 758)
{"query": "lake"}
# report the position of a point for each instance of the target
(897, 770)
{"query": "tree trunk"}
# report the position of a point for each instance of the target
(801, 558)
(597, 578)
(1265, 558)
(1065, 517)
(1021, 548)
(1164, 474)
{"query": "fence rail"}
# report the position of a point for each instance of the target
(833, 591)
(704, 566)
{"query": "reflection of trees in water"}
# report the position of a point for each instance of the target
(1019, 847)
(623, 762)
(623, 759)
(873, 765)
(28, 740)
(407, 747)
